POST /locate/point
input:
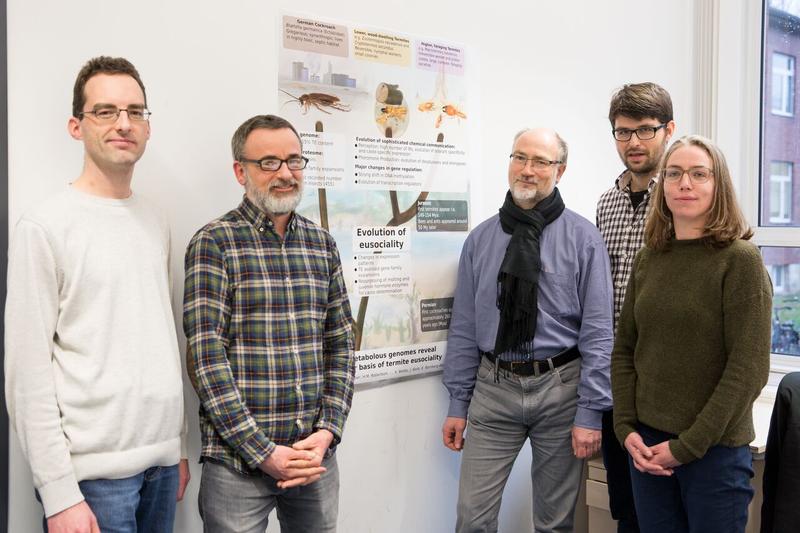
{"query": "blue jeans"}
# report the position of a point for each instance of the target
(144, 503)
(502, 416)
(231, 502)
(708, 495)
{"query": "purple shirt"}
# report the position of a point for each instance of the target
(575, 308)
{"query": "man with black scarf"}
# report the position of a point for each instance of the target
(529, 344)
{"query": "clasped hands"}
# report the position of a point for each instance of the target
(300, 464)
(656, 460)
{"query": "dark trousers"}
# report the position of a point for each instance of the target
(618, 478)
(780, 512)
(708, 495)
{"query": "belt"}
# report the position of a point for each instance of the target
(534, 367)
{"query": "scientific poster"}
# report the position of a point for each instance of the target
(384, 118)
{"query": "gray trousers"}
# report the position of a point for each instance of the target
(502, 416)
(231, 502)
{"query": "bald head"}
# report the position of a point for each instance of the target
(540, 157)
(545, 135)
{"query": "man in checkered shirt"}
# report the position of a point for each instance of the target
(268, 322)
(642, 124)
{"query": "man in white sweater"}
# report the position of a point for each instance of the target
(93, 372)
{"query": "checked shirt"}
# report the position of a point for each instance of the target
(269, 330)
(622, 227)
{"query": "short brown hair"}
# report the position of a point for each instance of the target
(101, 65)
(641, 100)
(725, 222)
(269, 122)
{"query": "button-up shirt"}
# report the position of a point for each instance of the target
(574, 309)
(270, 335)
(622, 228)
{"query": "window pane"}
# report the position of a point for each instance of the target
(780, 62)
(774, 201)
(783, 264)
(777, 93)
(780, 192)
(782, 80)
(780, 150)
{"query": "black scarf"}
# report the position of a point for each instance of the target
(518, 279)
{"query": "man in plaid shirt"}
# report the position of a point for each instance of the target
(642, 124)
(269, 328)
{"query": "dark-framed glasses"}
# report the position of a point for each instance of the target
(644, 133)
(111, 113)
(520, 160)
(696, 174)
(271, 164)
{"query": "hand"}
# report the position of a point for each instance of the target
(453, 432)
(585, 442)
(292, 468)
(642, 456)
(317, 443)
(183, 478)
(76, 519)
(662, 455)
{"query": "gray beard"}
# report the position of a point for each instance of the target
(524, 194)
(269, 203)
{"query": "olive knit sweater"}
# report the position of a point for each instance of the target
(693, 344)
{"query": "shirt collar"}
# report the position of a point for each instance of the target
(624, 180)
(257, 217)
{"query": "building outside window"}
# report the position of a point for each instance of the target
(779, 205)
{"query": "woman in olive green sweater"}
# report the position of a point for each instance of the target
(692, 350)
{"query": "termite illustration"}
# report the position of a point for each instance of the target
(452, 111)
(391, 111)
(318, 100)
(446, 110)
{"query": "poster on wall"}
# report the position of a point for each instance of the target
(384, 119)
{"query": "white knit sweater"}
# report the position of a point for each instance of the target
(93, 372)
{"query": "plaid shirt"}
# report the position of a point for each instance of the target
(622, 227)
(270, 335)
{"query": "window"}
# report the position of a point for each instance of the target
(782, 84)
(783, 264)
(741, 120)
(780, 146)
(780, 192)
(778, 232)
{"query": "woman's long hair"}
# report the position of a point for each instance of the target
(725, 222)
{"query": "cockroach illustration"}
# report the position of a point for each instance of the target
(318, 100)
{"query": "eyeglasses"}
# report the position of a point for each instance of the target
(536, 162)
(271, 164)
(644, 133)
(111, 114)
(696, 174)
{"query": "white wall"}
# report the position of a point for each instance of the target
(210, 65)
